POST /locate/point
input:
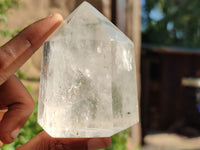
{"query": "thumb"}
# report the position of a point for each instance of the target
(44, 142)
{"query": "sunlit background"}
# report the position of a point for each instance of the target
(166, 34)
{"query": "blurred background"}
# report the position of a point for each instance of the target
(166, 35)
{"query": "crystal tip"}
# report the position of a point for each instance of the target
(85, 3)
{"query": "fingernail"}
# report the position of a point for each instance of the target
(50, 15)
(94, 144)
(15, 133)
(3, 110)
(1, 143)
(56, 15)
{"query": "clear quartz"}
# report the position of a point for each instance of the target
(88, 80)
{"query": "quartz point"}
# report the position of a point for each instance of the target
(88, 85)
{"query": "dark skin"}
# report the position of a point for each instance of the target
(19, 102)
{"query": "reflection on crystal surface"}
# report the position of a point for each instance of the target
(88, 80)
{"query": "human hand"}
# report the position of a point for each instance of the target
(19, 102)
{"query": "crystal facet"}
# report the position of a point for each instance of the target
(88, 80)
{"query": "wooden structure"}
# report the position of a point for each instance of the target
(164, 101)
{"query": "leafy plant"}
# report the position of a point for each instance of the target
(6, 5)
(119, 141)
(30, 129)
(171, 22)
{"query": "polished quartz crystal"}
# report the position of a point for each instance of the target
(88, 79)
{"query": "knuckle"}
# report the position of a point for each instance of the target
(3, 62)
(3, 77)
(9, 53)
(7, 56)
(28, 37)
(31, 103)
(28, 42)
(30, 106)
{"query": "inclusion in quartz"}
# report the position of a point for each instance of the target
(88, 79)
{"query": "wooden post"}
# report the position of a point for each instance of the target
(107, 8)
(127, 16)
(136, 136)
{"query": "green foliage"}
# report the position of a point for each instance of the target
(179, 25)
(119, 141)
(20, 75)
(5, 6)
(30, 129)
(5, 33)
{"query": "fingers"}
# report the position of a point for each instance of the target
(14, 53)
(3, 110)
(20, 105)
(44, 142)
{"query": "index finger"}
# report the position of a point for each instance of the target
(14, 53)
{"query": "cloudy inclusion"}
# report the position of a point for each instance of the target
(88, 79)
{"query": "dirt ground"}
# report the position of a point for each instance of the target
(166, 141)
